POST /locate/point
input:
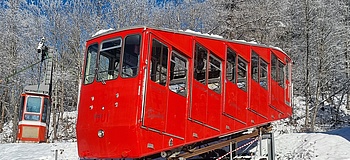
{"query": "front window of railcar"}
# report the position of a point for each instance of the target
(90, 64)
(109, 59)
(33, 106)
(131, 56)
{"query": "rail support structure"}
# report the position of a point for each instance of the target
(230, 142)
(270, 145)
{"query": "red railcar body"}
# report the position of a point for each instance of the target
(33, 117)
(148, 90)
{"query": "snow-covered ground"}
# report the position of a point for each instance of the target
(333, 145)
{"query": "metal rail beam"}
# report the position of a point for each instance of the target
(219, 145)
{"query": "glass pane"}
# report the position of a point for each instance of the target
(21, 108)
(254, 69)
(45, 109)
(110, 44)
(263, 74)
(242, 74)
(109, 59)
(178, 74)
(31, 117)
(281, 74)
(231, 66)
(131, 55)
(90, 64)
(33, 104)
(159, 62)
(273, 66)
(214, 79)
(200, 63)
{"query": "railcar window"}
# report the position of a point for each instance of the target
(287, 69)
(109, 59)
(46, 108)
(131, 55)
(214, 77)
(273, 66)
(21, 109)
(231, 66)
(263, 74)
(178, 73)
(159, 62)
(31, 117)
(200, 63)
(33, 104)
(90, 64)
(254, 70)
(242, 74)
(280, 74)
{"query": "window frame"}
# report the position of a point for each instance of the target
(245, 87)
(180, 56)
(159, 73)
(261, 68)
(87, 63)
(212, 56)
(254, 66)
(274, 66)
(196, 66)
(232, 66)
(28, 115)
(121, 72)
(112, 63)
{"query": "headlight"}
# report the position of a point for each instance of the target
(101, 133)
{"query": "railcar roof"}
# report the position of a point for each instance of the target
(187, 32)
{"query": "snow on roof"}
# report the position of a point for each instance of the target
(102, 31)
(199, 33)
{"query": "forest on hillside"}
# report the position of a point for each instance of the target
(315, 33)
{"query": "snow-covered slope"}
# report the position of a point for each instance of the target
(316, 146)
(333, 145)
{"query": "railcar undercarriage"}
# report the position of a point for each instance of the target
(214, 148)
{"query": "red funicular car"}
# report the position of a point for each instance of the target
(147, 90)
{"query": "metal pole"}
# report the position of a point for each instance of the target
(231, 151)
(271, 146)
(56, 154)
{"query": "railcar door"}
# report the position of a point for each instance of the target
(199, 97)
(258, 93)
(277, 85)
(177, 102)
(157, 92)
(235, 95)
(288, 84)
(206, 91)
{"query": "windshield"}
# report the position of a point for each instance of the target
(109, 59)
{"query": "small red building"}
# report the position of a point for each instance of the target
(148, 90)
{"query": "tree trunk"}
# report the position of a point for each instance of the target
(347, 61)
(14, 116)
(307, 83)
(2, 115)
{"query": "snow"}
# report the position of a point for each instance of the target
(316, 146)
(102, 31)
(334, 144)
(204, 34)
(38, 151)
